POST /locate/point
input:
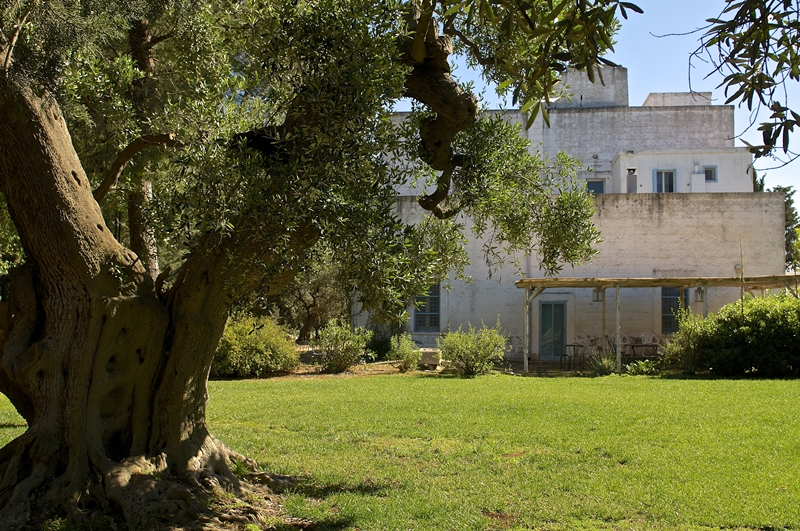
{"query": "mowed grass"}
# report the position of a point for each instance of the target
(412, 452)
(436, 453)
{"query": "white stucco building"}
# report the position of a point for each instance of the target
(674, 199)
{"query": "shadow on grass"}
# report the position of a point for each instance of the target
(309, 508)
(327, 524)
(439, 375)
(305, 487)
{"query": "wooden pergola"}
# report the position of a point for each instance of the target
(535, 286)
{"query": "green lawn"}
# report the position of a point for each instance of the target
(502, 452)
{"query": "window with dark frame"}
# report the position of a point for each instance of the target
(427, 311)
(595, 187)
(665, 181)
(672, 300)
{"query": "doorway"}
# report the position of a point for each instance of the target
(552, 330)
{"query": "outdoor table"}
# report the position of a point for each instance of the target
(646, 351)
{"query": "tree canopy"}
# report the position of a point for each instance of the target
(162, 160)
(754, 45)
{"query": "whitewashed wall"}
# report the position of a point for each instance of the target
(644, 235)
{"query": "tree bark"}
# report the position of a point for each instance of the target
(429, 82)
(110, 378)
(308, 326)
(143, 93)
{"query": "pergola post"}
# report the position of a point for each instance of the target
(603, 327)
(619, 335)
(527, 350)
(527, 341)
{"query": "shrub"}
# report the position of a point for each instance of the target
(405, 351)
(602, 365)
(757, 336)
(473, 352)
(380, 344)
(684, 351)
(643, 368)
(340, 348)
(252, 347)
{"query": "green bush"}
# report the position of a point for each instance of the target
(602, 365)
(339, 347)
(252, 347)
(473, 352)
(757, 336)
(643, 368)
(405, 351)
(684, 350)
(380, 344)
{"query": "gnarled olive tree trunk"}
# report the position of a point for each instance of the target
(110, 376)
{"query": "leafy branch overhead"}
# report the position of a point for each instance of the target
(523, 47)
(755, 45)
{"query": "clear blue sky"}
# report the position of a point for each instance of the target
(658, 61)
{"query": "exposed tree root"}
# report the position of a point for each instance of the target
(138, 494)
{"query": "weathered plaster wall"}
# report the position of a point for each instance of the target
(677, 99)
(645, 235)
(612, 91)
(605, 132)
(732, 167)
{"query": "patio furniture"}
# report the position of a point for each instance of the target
(577, 354)
(625, 344)
(645, 351)
(648, 349)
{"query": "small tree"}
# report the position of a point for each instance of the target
(340, 347)
(475, 351)
(316, 295)
(252, 347)
(405, 351)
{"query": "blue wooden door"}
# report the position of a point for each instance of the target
(553, 330)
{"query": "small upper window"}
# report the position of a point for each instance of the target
(595, 187)
(711, 173)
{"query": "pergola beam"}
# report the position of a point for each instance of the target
(750, 283)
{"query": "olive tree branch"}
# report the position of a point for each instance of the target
(476, 51)
(15, 36)
(140, 144)
(157, 40)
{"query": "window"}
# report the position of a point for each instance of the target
(595, 187)
(664, 181)
(426, 311)
(711, 173)
(672, 300)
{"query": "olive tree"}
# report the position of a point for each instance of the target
(161, 160)
(753, 44)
